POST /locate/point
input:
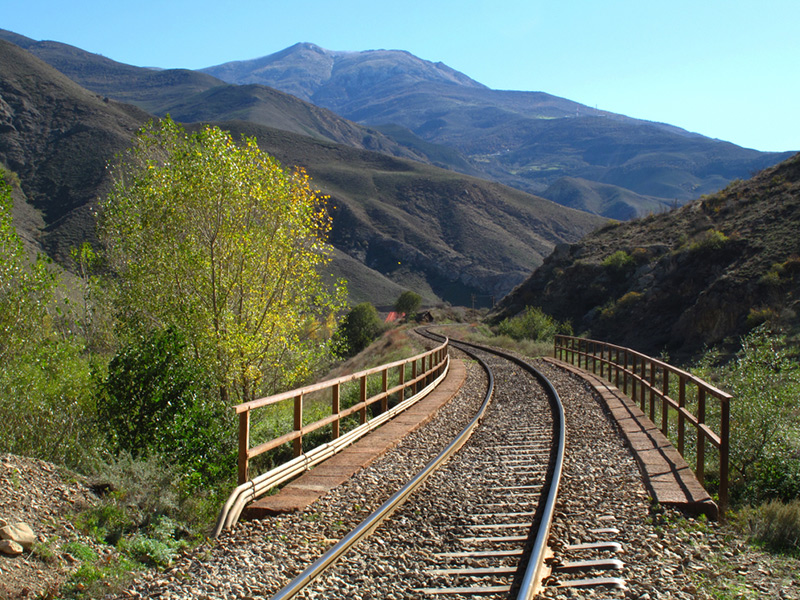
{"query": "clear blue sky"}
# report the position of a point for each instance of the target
(728, 69)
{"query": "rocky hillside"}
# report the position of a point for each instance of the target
(698, 275)
(397, 223)
(58, 137)
(529, 140)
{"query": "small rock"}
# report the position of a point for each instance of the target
(20, 533)
(10, 547)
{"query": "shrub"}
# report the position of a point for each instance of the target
(157, 545)
(765, 425)
(619, 261)
(532, 324)
(758, 316)
(358, 329)
(776, 525)
(711, 241)
(629, 299)
(619, 265)
(157, 400)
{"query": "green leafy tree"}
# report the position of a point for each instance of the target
(214, 238)
(359, 328)
(408, 303)
(26, 287)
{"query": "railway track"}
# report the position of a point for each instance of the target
(603, 509)
(475, 521)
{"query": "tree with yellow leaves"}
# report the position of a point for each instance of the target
(216, 239)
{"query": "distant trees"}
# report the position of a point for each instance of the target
(533, 324)
(26, 287)
(217, 241)
(359, 328)
(45, 381)
(408, 303)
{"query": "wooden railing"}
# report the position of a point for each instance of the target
(683, 398)
(424, 368)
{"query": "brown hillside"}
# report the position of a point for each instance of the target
(58, 137)
(699, 275)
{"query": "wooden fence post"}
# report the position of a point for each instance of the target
(363, 398)
(298, 424)
(724, 453)
(385, 386)
(664, 405)
(701, 438)
(681, 418)
(335, 409)
(244, 446)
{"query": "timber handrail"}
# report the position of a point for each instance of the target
(427, 371)
(425, 368)
(650, 381)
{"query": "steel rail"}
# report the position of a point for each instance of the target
(387, 508)
(534, 572)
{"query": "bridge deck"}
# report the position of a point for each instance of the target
(315, 483)
(666, 474)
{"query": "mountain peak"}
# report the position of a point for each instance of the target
(309, 71)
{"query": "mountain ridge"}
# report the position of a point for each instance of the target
(527, 140)
(405, 223)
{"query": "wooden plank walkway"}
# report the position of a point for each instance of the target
(666, 475)
(314, 484)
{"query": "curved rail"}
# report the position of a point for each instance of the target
(387, 508)
(533, 575)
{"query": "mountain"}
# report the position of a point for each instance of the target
(58, 137)
(190, 96)
(699, 275)
(529, 140)
(397, 223)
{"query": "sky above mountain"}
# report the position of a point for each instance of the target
(723, 68)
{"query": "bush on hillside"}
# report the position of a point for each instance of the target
(358, 329)
(620, 262)
(157, 400)
(533, 324)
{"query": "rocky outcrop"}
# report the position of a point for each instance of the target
(697, 276)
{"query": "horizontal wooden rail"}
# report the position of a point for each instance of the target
(651, 381)
(425, 368)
